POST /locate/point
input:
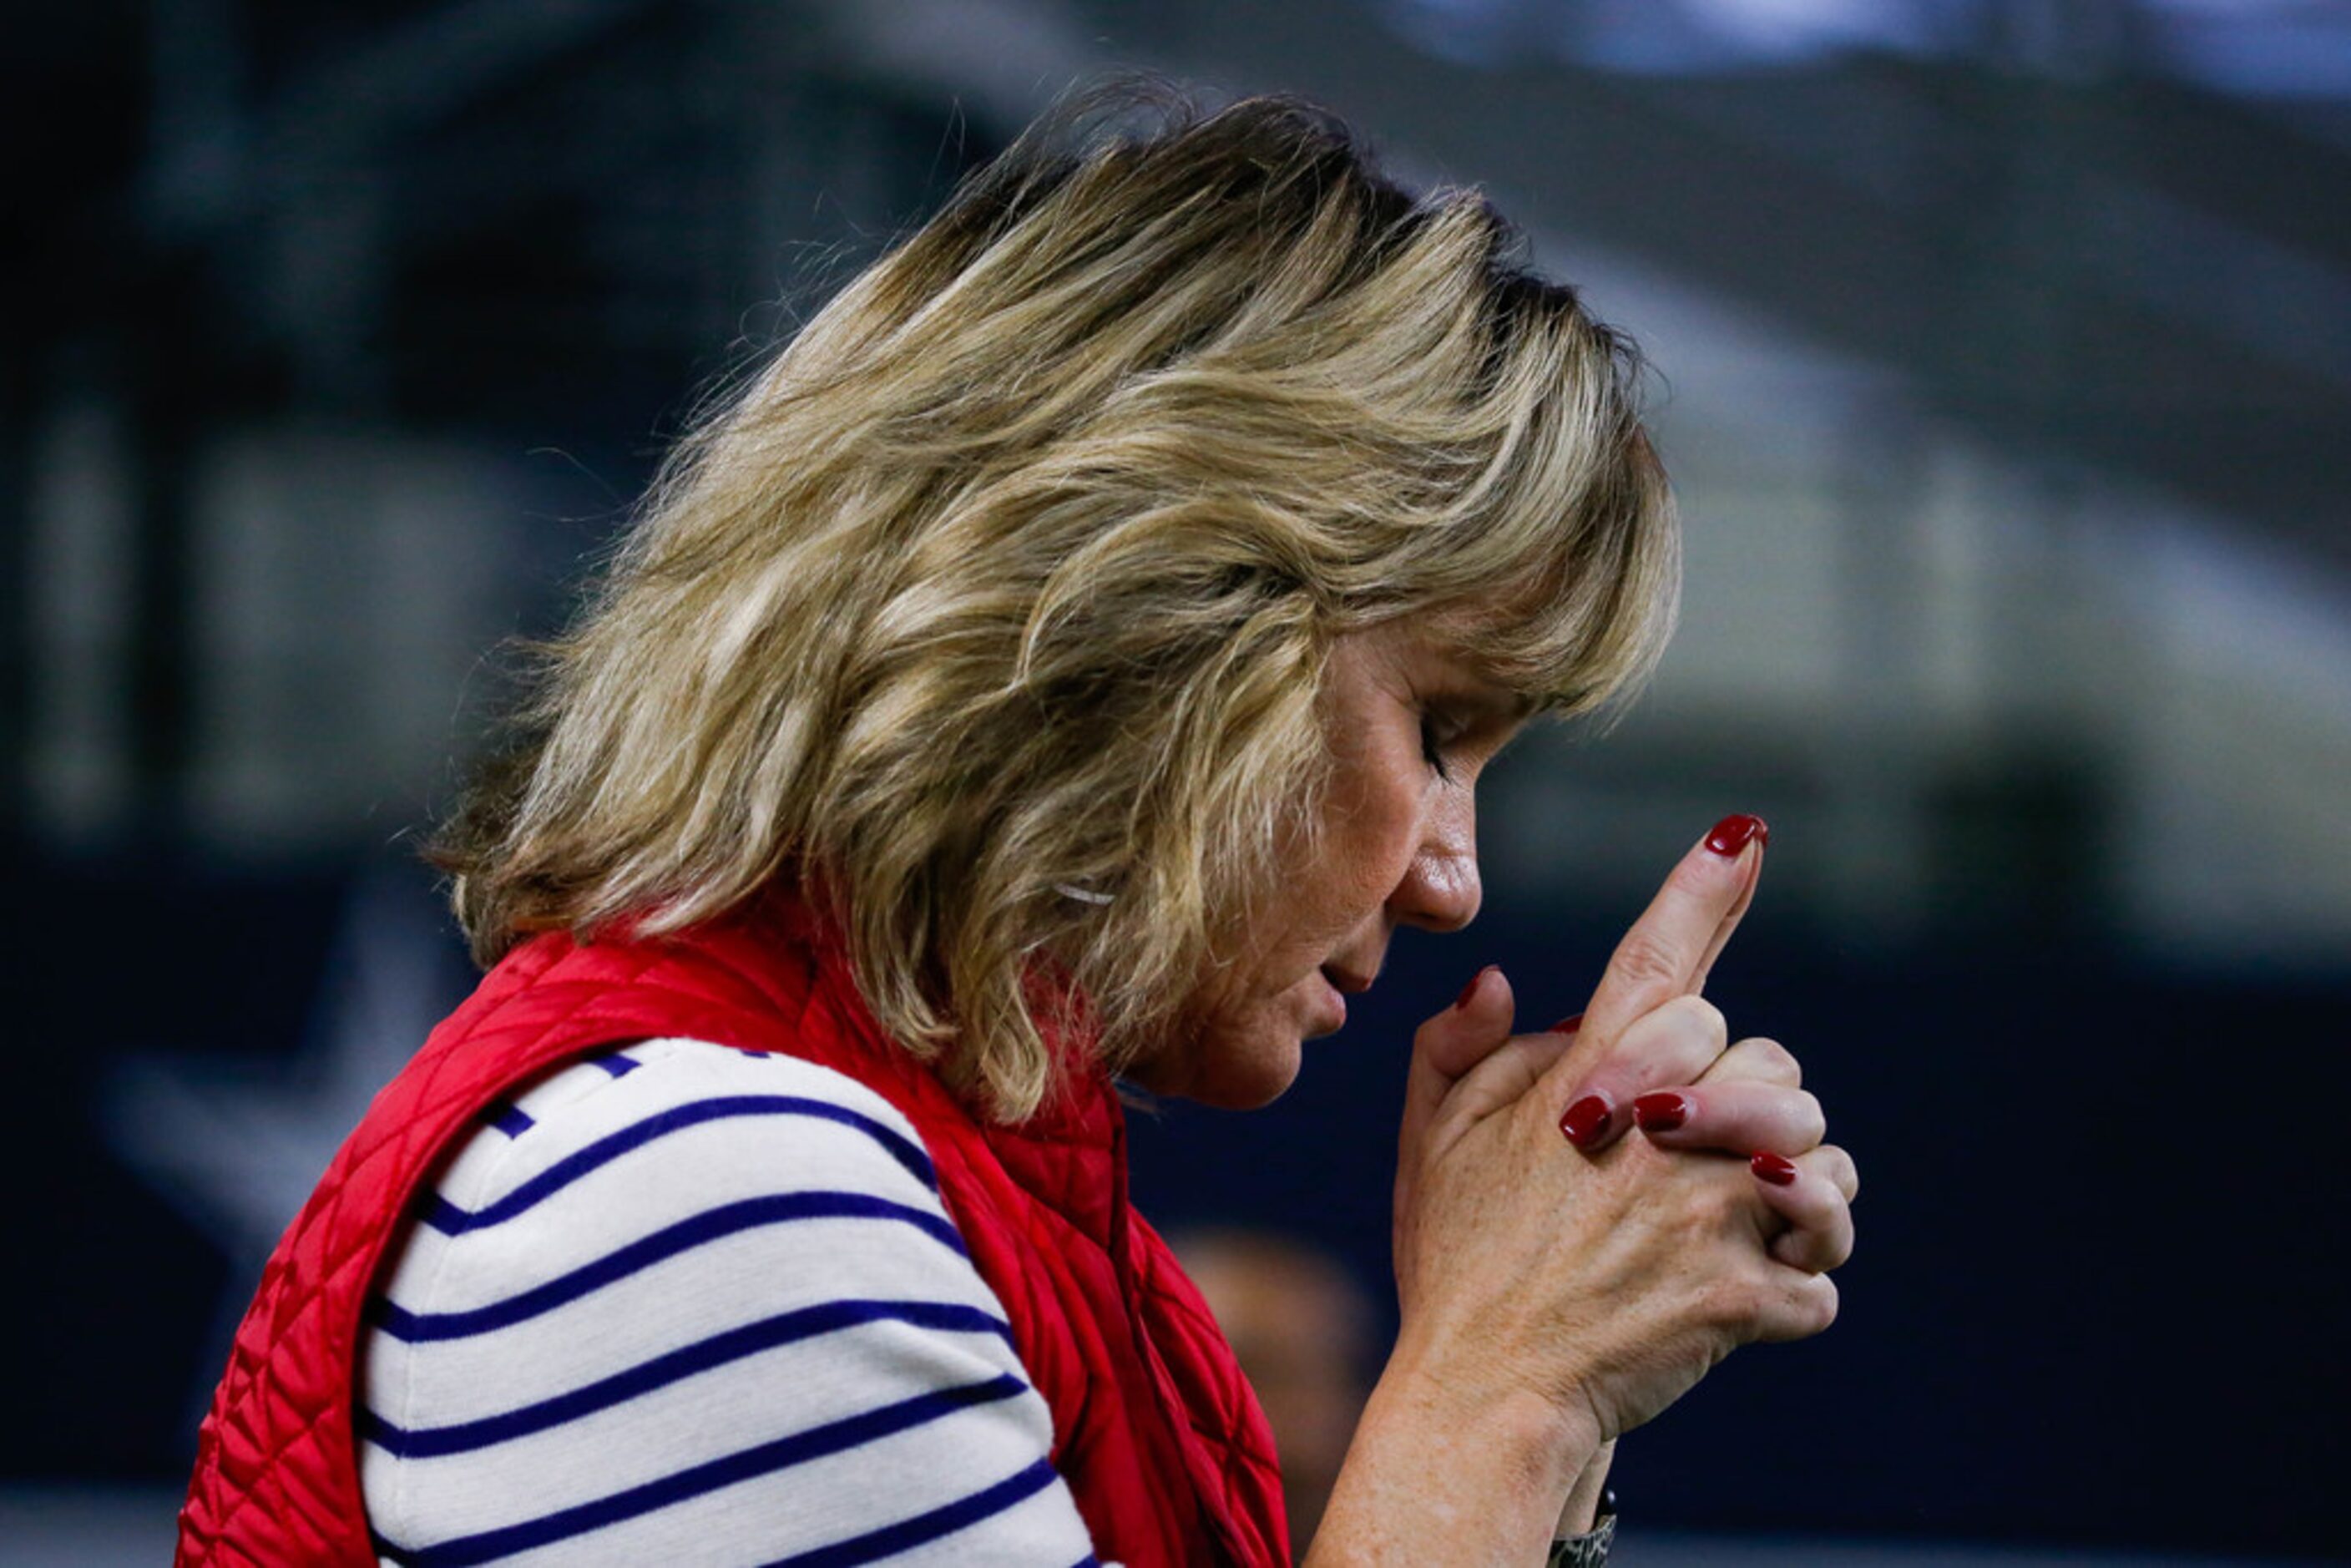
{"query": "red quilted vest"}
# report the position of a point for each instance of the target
(1154, 1428)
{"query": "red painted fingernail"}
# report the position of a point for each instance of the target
(1471, 989)
(1567, 1025)
(1660, 1113)
(1735, 832)
(1586, 1121)
(1768, 1166)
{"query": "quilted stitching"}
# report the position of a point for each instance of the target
(1153, 1425)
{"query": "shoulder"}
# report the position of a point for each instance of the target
(656, 1075)
(666, 1158)
(687, 1107)
(684, 1272)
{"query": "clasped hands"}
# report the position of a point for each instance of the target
(1593, 1216)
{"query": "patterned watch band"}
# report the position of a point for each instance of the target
(1589, 1550)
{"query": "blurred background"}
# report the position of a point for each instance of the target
(2004, 354)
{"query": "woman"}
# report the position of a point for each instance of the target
(1070, 659)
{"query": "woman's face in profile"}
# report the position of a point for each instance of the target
(1409, 724)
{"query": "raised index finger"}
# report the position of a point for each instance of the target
(1670, 947)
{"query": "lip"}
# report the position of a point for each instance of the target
(1346, 981)
(1335, 1005)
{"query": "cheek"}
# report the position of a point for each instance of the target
(1369, 844)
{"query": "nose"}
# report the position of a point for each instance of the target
(1441, 890)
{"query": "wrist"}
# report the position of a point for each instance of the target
(1482, 1459)
(1552, 1430)
(1552, 1440)
(1586, 1501)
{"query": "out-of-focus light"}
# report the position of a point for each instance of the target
(2255, 48)
(2258, 48)
(1676, 37)
(1780, 29)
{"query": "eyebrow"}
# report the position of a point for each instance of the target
(1487, 699)
(1520, 708)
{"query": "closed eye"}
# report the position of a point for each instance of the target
(1433, 742)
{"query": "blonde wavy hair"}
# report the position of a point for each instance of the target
(992, 613)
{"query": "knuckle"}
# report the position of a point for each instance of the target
(1770, 1061)
(1800, 1306)
(1703, 1019)
(1840, 1253)
(1841, 1171)
(1682, 1036)
(1818, 1248)
(1805, 1306)
(1647, 961)
(1811, 1113)
(1820, 1301)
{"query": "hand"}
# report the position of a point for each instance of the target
(1648, 1029)
(1751, 1100)
(1605, 1284)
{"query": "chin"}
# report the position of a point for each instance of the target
(1250, 1090)
(1230, 1074)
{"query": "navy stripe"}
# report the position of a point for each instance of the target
(616, 1064)
(511, 1120)
(785, 1328)
(711, 1225)
(833, 1437)
(438, 1213)
(909, 1533)
(454, 1220)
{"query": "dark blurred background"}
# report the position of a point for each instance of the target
(2005, 370)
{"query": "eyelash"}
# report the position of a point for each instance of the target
(1432, 749)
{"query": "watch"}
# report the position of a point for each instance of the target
(1589, 1550)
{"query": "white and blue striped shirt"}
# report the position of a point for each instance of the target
(682, 1303)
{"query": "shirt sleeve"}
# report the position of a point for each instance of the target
(684, 1303)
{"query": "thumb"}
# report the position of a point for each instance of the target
(1450, 1044)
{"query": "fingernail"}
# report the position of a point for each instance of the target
(1471, 989)
(1567, 1025)
(1660, 1113)
(1586, 1121)
(1735, 832)
(1768, 1166)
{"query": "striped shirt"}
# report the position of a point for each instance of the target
(682, 1303)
